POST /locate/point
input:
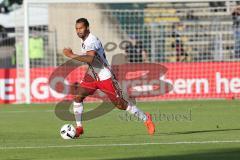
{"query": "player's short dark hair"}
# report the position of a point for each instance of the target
(83, 20)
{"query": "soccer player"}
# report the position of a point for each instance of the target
(99, 76)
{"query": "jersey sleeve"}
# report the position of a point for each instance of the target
(92, 45)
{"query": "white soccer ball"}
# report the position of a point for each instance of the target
(67, 131)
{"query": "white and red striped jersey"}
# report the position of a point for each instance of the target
(99, 69)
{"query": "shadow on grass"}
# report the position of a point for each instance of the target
(222, 154)
(201, 131)
(170, 133)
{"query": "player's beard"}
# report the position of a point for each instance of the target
(83, 35)
(80, 35)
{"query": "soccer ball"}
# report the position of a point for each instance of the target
(67, 131)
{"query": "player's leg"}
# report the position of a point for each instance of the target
(145, 117)
(113, 92)
(78, 110)
(81, 91)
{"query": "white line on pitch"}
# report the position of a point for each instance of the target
(41, 111)
(124, 144)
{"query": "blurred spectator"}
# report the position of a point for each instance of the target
(190, 16)
(236, 28)
(7, 6)
(135, 51)
(3, 9)
(3, 33)
(218, 48)
(216, 4)
(178, 43)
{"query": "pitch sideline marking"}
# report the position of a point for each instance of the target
(124, 144)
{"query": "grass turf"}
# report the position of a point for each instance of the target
(32, 132)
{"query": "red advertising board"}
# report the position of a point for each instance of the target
(202, 80)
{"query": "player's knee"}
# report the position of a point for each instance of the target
(74, 88)
(121, 105)
(79, 98)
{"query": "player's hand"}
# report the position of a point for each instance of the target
(68, 52)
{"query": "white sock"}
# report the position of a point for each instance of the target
(77, 110)
(137, 112)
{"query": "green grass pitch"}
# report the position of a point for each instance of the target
(189, 130)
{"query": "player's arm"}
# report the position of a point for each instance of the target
(88, 58)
